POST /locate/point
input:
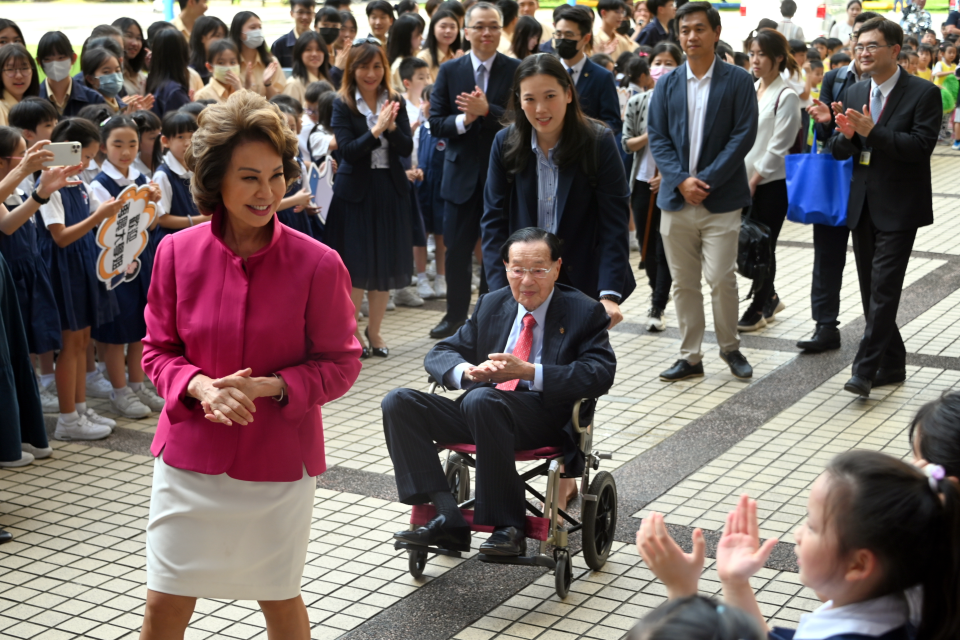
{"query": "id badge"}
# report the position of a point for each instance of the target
(865, 157)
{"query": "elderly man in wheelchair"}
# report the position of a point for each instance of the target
(526, 356)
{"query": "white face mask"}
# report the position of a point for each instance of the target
(254, 38)
(220, 72)
(57, 70)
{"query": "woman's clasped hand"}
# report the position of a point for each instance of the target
(230, 399)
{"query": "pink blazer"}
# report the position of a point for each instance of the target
(287, 310)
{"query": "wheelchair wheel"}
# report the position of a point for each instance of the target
(563, 573)
(458, 477)
(599, 521)
(417, 562)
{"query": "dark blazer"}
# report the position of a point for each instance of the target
(831, 88)
(592, 219)
(597, 92)
(578, 361)
(80, 96)
(355, 143)
(282, 49)
(729, 131)
(467, 155)
(897, 184)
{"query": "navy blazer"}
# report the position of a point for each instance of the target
(468, 155)
(355, 144)
(282, 49)
(80, 96)
(729, 131)
(896, 185)
(578, 361)
(169, 96)
(597, 92)
(592, 220)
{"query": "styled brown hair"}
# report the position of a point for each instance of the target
(361, 54)
(245, 116)
(774, 44)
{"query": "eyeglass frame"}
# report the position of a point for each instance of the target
(860, 48)
(511, 274)
(24, 71)
(488, 28)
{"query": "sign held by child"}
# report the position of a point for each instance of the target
(124, 236)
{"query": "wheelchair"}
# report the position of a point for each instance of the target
(598, 519)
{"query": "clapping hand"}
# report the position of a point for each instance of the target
(820, 112)
(270, 72)
(678, 571)
(386, 118)
(473, 104)
(740, 554)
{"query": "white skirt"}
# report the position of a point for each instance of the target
(218, 537)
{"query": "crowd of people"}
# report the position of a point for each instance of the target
(479, 150)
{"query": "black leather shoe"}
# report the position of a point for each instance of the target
(5, 536)
(738, 364)
(859, 386)
(380, 352)
(445, 329)
(505, 541)
(365, 353)
(681, 370)
(436, 534)
(825, 338)
(889, 376)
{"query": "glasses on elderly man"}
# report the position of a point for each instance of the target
(519, 272)
(367, 40)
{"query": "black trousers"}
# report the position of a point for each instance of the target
(829, 259)
(655, 262)
(497, 422)
(461, 228)
(882, 258)
(770, 208)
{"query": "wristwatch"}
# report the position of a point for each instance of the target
(611, 298)
(38, 198)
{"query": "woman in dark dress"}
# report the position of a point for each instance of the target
(369, 219)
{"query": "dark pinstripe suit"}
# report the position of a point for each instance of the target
(578, 362)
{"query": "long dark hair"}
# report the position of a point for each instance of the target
(10, 24)
(135, 64)
(147, 121)
(399, 44)
(16, 51)
(910, 522)
(935, 433)
(439, 15)
(362, 54)
(300, 69)
(169, 61)
(527, 27)
(579, 132)
(204, 26)
(236, 34)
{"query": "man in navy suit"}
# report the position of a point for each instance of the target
(528, 353)
(468, 100)
(595, 85)
(703, 121)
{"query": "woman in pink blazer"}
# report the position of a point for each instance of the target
(250, 330)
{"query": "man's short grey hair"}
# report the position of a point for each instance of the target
(483, 5)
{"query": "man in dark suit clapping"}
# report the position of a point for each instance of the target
(527, 354)
(466, 105)
(889, 125)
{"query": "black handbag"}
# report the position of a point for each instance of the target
(753, 251)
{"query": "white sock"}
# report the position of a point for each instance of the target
(102, 367)
(70, 418)
(135, 386)
(92, 375)
(116, 393)
(441, 277)
(421, 276)
(46, 379)
(82, 408)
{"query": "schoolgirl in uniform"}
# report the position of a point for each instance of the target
(66, 240)
(120, 144)
(296, 210)
(180, 210)
(151, 153)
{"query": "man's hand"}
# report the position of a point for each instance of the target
(845, 126)
(501, 367)
(694, 191)
(862, 122)
(613, 310)
(474, 105)
(820, 112)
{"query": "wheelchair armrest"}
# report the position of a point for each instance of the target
(576, 414)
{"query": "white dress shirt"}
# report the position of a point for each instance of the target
(166, 189)
(453, 377)
(475, 64)
(99, 192)
(577, 68)
(885, 88)
(777, 128)
(698, 94)
(378, 157)
(870, 618)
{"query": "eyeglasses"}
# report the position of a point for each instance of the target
(519, 272)
(494, 29)
(367, 40)
(24, 71)
(870, 48)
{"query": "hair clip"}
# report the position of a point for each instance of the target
(935, 473)
(105, 121)
(643, 54)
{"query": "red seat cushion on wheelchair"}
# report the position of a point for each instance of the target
(537, 528)
(543, 453)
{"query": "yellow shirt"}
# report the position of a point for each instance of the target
(506, 44)
(66, 96)
(624, 44)
(295, 87)
(196, 82)
(178, 23)
(213, 91)
(279, 79)
(924, 73)
(424, 54)
(944, 66)
(8, 102)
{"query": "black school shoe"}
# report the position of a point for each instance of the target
(681, 370)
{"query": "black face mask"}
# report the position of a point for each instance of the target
(329, 34)
(566, 49)
(625, 29)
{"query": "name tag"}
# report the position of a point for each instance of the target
(865, 158)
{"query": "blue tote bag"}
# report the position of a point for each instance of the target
(818, 187)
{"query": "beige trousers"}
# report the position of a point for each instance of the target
(696, 241)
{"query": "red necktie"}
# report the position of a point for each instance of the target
(521, 349)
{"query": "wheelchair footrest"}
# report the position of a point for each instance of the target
(537, 528)
(399, 544)
(527, 561)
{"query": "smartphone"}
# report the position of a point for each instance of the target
(65, 154)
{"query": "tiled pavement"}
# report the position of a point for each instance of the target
(76, 568)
